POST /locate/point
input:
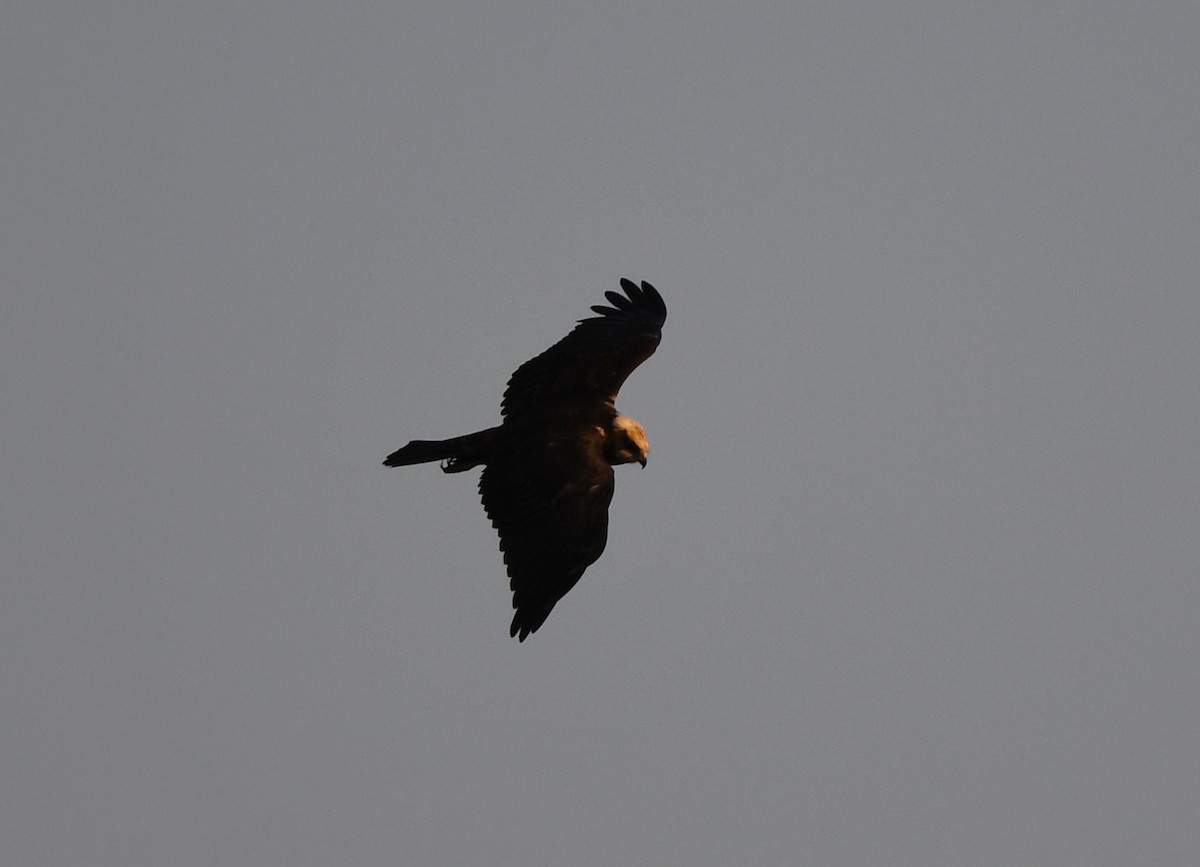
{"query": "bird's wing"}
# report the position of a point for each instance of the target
(550, 508)
(592, 362)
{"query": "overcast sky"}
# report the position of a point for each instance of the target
(911, 577)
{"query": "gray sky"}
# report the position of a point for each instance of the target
(911, 578)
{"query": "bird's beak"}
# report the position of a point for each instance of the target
(642, 461)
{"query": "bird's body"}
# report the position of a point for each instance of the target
(547, 480)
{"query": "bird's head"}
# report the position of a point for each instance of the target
(628, 443)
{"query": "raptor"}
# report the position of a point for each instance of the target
(547, 478)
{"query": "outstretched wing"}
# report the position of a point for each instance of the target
(549, 503)
(592, 362)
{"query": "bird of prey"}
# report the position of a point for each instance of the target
(547, 475)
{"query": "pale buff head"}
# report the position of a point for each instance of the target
(628, 443)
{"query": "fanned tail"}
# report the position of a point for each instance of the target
(457, 454)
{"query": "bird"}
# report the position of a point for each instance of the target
(547, 478)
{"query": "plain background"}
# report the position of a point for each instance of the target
(911, 578)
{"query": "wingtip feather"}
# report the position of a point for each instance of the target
(616, 299)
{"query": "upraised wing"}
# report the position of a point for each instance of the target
(591, 363)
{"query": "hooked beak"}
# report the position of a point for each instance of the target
(642, 461)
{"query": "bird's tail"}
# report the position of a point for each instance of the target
(457, 454)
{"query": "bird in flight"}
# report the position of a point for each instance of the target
(547, 475)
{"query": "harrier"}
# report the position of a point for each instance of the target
(547, 475)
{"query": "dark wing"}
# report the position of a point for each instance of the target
(549, 503)
(592, 362)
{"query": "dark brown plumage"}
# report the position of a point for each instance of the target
(547, 476)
